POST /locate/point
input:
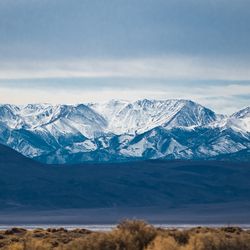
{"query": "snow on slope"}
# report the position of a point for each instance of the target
(241, 119)
(148, 129)
(58, 119)
(9, 116)
(38, 129)
(243, 113)
(76, 119)
(143, 115)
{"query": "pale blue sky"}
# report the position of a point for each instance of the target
(95, 50)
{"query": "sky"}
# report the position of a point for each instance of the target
(61, 51)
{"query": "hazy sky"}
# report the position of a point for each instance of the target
(68, 51)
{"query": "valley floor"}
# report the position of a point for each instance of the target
(234, 213)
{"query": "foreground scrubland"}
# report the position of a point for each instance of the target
(129, 235)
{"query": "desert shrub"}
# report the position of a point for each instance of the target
(236, 230)
(115, 240)
(129, 235)
(95, 241)
(15, 246)
(218, 241)
(138, 236)
(15, 230)
(34, 244)
(163, 243)
(142, 233)
(181, 237)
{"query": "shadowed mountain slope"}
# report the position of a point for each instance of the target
(26, 184)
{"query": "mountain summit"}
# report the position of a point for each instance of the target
(121, 130)
(143, 115)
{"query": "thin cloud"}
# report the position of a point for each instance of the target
(186, 68)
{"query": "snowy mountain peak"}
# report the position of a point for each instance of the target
(243, 113)
(9, 115)
(142, 115)
(240, 120)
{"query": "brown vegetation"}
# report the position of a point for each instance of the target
(129, 235)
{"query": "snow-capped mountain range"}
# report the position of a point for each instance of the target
(121, 130)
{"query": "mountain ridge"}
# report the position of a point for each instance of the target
(121, 130)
